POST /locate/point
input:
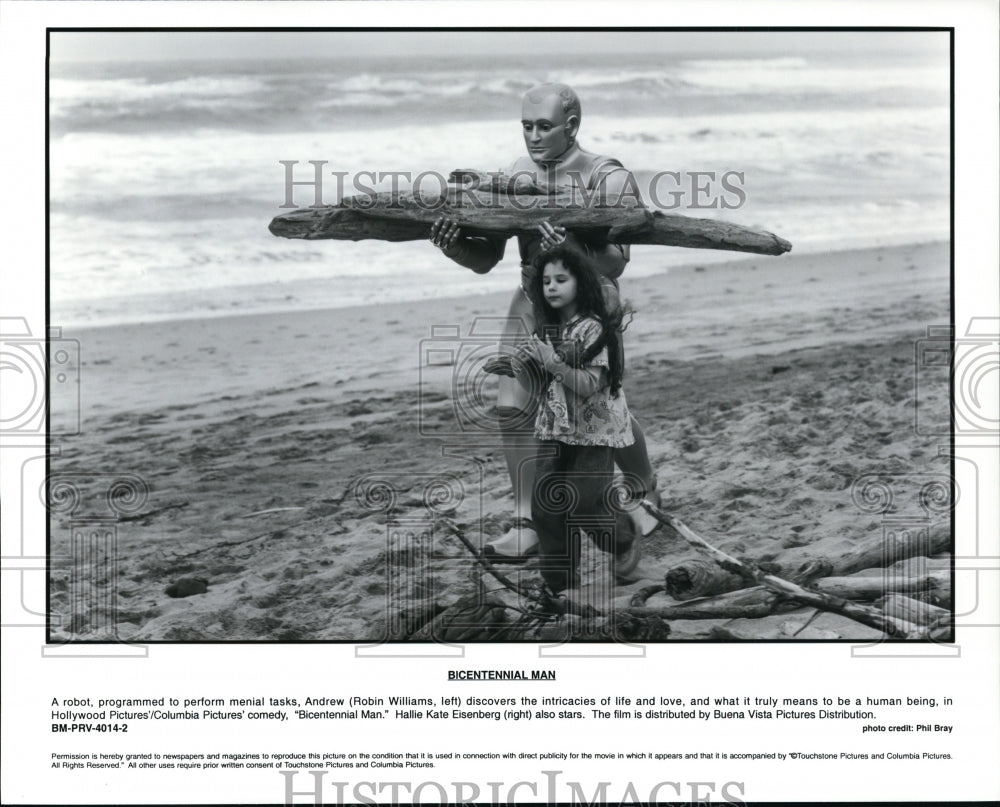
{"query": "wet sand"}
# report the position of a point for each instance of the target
(284, 454)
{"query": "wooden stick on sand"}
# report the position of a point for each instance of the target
(891, 626)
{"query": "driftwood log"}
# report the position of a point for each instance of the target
(788, 590)
(472, 618)
(915, 611)
(698, 578)
(761, 601)
(405, 216)
(701, 578)
(934, 587)
(749, 603)
(518, 612)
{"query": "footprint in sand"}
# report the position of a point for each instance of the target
(186, 587)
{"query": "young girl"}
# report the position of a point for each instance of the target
(575, 355)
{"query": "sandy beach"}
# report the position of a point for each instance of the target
(288, 456)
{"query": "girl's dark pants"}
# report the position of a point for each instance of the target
(571, 493)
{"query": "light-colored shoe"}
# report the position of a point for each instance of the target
(518, 544)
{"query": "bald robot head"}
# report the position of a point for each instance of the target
(550, 117)
(569, 101)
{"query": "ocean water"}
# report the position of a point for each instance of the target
(165, 174)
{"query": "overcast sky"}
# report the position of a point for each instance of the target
(73, 46)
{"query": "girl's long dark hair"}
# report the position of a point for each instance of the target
(589, 301)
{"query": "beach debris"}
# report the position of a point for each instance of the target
(501, 209)
(409, 620)
(271, 510)
(643, 594)
(186, 587)
(146, 515)
(519, 611)
(701, 578)
(911, 610)
(472, 618)
(697, 578)
(932, 623)
(747, 603)
(759, 607)
(933, 587)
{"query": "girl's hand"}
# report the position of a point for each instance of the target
(546, 355)
(525, 353)
(551, 236)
